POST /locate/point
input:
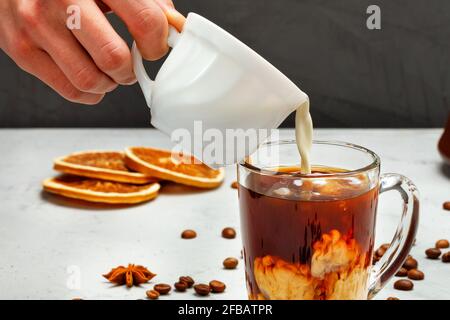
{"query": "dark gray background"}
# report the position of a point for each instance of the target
(395, 77)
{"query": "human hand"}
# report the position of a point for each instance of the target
(83, 64)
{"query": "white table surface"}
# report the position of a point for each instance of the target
(43, 238)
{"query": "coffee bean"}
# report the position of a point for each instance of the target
(410, 263)
(375, 259)
(180, 286)
(446, 257)
(230, 263)
(433, 253)
(402, 272)
(189, 234)
(380, 252)
(442, 244)
(202, 289)
(188, 280)
(392, 298)
(229, 233)
(217, 286)
(446, 205)
(152, 294)
(162, 288)
(235, 185)
(404, 285)
(415, 274)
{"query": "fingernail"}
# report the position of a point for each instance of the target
(112, 87)
(176, 19)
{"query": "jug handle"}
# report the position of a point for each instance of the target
(144, 80)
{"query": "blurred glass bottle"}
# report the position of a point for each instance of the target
(444, 143)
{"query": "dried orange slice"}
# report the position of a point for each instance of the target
(104, 165)
(159, 163)
(94, 190)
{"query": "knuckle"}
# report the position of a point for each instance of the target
(150, 29)
(114, 56)
(146, 21)
(21, 50)
(151, 24)
(28, 13)
(85, 79)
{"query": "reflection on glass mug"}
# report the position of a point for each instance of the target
(312, 236)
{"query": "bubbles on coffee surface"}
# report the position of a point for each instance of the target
(319, 185)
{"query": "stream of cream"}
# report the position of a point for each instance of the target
(304, 135)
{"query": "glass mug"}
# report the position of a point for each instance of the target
(312, 236)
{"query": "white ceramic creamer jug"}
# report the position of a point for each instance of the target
(212, 84)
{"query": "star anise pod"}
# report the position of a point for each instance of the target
(131, 275)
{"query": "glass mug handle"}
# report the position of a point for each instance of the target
(404, 236)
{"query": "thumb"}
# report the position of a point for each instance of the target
(174, 18)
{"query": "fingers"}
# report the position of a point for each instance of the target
(147, 23)
(82, 65)
(108, 50)
(174, 18)
(39, 64)
(74, 62)
(43, 24)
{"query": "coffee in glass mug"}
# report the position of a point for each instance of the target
(311, 236)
